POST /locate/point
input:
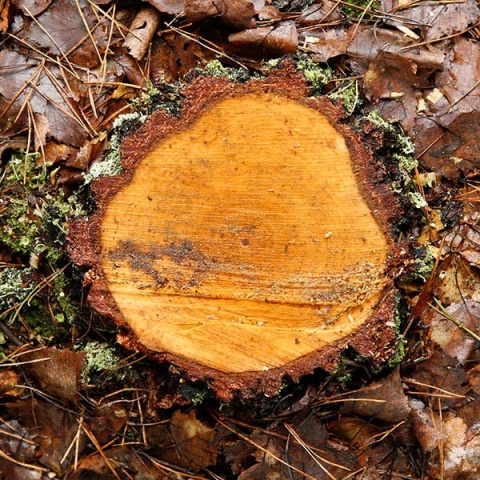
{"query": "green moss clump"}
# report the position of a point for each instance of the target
(316, 75)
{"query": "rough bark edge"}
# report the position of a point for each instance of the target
(375, 339)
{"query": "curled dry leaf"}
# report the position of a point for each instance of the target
(278, 40)
(141, 32)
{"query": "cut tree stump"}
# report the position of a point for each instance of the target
(247, 240)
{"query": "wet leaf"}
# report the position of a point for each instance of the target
(60, 29)
(25, 81)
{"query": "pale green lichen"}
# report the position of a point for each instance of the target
(402, 155)
(215, 68)
(111, 164)
(348, 95)
(100, 357)
(34, 220)
(316, 75)
(16, 285)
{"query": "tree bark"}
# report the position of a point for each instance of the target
(247, 240)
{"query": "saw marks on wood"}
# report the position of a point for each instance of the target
(243, 241)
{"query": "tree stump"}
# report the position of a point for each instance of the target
(247, 240)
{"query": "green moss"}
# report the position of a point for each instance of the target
(316, 75)
(348, 95)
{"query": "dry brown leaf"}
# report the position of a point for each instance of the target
(382, 400)
(23, 80)
(35, 7)
(436, 21)
(439, 375)
(457, 281)
(276, 41)
(141, 32)
(367, 42)
(327, 11)
(426, 426)
(185, 441)
(451, 338)
(327, 44)
(172, 7)
(60, 28)
(233, 14)
(56, 371)
(53, 428)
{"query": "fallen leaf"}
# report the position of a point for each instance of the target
(56, 371)
(452, 338)
(426, 425)
(383, 400)
(23, 81)
(324, 12)
(172, 7)
(327, 44)
(435, 20)
(141, 32)
(275, 41)
(52, 428)
(185, 441)
(61, 29)
(10, 384)
(367, 42)
(233, 14)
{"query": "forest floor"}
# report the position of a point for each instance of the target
(73, 403)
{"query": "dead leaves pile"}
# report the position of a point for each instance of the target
(69, 68)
